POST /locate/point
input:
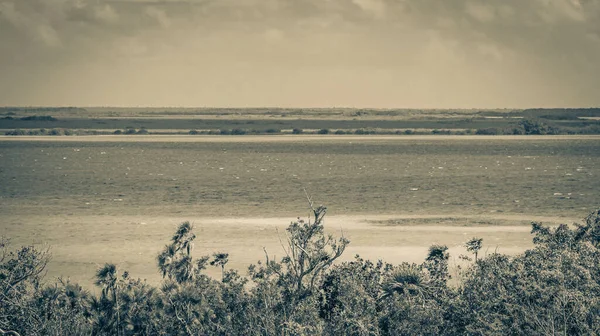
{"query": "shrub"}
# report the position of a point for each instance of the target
(20, 274)
(551, 288)
(238, 131)
(350, 303)
(535, 126)
(323, 131)
(517, 131)
(297, 131)
(362, 131)
(487, 131)
(16, 132)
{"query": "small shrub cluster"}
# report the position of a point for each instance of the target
(132, 131)
(553, 288)
(441, 131)
(17, 132)
(43, 131)
(362, 131)
(272, 131)
(524, 127)
(488, 131)
(236, 131)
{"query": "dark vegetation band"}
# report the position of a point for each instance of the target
(78, 121)
(553, 288)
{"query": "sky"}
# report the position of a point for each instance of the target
(300, 53)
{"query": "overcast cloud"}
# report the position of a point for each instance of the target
(303, 53)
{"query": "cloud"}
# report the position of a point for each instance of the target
(480, 12)
(375, 7)
(159, 15)
(106, 13)
(40, 31)
(48, 35)
(386, 52)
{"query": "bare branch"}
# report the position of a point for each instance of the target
(266, 254)
(310, 202)
(181, 320)
(9, 333)
(283, 246)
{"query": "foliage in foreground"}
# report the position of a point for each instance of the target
(553, 288)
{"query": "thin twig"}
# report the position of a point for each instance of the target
(187, 329)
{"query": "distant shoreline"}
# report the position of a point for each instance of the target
(283, 138)
(75, 121)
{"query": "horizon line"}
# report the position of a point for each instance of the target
(291, 108)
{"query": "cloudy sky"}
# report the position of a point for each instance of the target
(301, 53)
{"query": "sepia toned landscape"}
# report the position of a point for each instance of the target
(299, 167)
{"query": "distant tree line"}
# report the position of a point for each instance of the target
(551, 289)
(39, 118)
(526, 128)
(33, 118)
(13, 110)
(534, 123)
